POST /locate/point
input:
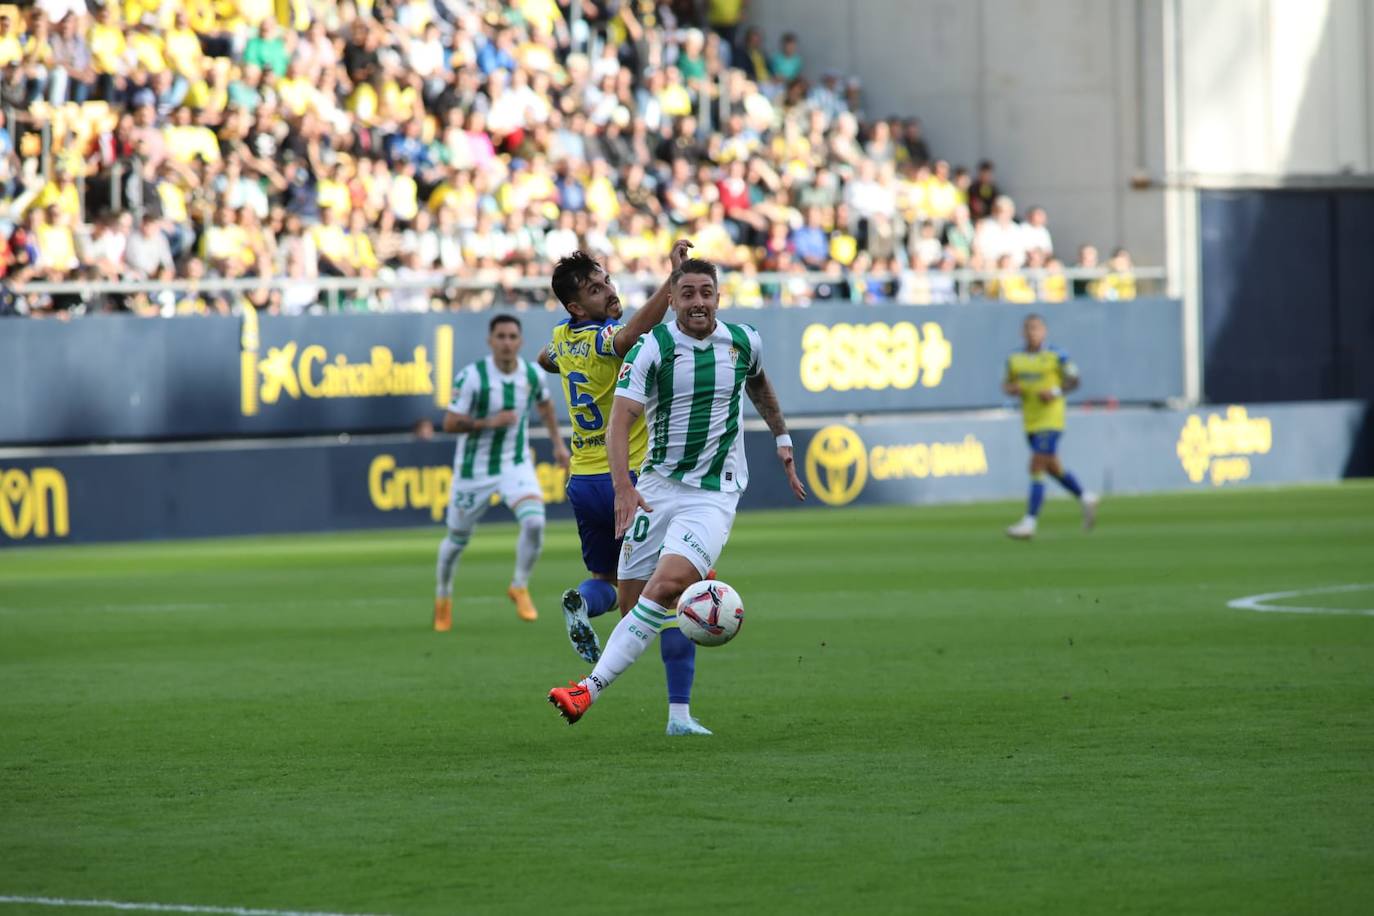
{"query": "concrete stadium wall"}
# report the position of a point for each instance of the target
(1275, 88)
(91, 495)
(1066, 96)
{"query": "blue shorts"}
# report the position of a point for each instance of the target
(593, 502)
(1044, 442)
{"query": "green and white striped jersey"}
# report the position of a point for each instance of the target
(480, 390)
(690, 390)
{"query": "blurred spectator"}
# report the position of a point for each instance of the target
(1087, 260)
(786, 64)
(1119, 283)
(983, 193)
(1035, 235)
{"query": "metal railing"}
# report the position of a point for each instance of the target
(957, 286)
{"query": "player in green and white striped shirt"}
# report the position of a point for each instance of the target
(685, 378)
(490, 409)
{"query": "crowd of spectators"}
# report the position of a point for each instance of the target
(290, 140)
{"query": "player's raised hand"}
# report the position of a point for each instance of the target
(502, 418)
(627, 503)
(679, 252)
(789, 465)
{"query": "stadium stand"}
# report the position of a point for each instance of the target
(296, 140)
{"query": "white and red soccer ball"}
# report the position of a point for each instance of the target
(710, 613)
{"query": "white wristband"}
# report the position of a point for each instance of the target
(1056, 392)
(784, 441)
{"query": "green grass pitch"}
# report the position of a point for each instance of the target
(918, 716)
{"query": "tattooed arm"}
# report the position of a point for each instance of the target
(765, 401)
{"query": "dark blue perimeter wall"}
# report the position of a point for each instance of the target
(1287, 294)
(118, 379)
(73, 495)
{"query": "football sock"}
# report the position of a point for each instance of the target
(449, 549)
(627, 643)
(1037, 495)
(679, 711)
(530, 543)
(679, 664)
(599, 596)
(1070, 483)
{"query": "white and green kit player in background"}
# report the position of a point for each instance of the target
(490, 410)
(685, 378)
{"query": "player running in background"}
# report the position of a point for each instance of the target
(492, 402)
(685, 379)
(586, 351)
(1042, 375)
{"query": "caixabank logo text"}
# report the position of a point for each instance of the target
(838, 463)
(1219, 449)
(298, 370)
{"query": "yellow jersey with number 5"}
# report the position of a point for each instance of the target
(588, 364)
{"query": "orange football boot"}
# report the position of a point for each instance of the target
(443, 615)
(572, 701)
(524, 607)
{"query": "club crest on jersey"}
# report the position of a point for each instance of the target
(734, 355)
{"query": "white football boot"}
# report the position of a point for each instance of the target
(1023, 530)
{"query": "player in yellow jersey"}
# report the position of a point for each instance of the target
(586, 351)
(1042, 375)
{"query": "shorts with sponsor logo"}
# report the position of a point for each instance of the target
(468, 500)
(688, 521)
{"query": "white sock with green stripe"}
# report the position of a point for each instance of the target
(449, 550)
(636, 631)
(530, 515)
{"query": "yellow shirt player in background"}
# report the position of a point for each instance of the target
(1041, 375)
(587, 351)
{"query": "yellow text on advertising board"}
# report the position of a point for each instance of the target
(391, 487)
(33, 504)
(1219, 450)
(295, 371)
(873, 356)
(838, 464)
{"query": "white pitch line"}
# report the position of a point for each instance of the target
(1260, 602)
(164, 907)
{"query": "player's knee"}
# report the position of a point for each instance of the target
(531, 516)
(459, 537)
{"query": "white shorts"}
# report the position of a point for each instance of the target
(688, 521)
(468, 500)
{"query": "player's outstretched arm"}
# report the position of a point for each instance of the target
(652, 312)
(627, 499)
(463, 423)
(765, 399)
(561, 457)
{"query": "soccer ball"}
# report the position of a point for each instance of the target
(710, 613)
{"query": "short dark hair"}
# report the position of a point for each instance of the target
(1033, 316)
(696, 266)
(571, 273)
(503, 319)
